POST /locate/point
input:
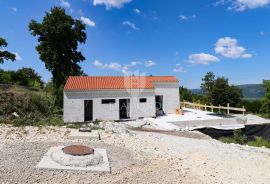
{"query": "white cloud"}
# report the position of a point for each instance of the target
(184, 17)
(242, 5)
(179, 69)
(132, 25)
(228, 47)
(202, 58)
(137, 11)
(135, 63)
(87, 21)
(111, 3)
(14, 9)
(18, 57)
(65, 4)
(125, 68)
(113, 65)
(150, 63)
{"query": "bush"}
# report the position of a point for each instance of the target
(259, 142)
(252, 106)
(51, 121)
(237, 138)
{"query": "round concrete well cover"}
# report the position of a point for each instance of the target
(78, 150)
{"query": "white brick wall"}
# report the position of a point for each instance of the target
(170, 93)
(74, 102)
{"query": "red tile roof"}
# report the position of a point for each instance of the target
(114, 82)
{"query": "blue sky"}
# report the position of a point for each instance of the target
(185, 38)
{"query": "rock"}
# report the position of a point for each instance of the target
(14, 114)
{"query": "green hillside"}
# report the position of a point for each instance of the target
(250, 91)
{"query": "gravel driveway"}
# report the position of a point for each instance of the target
(135, 157)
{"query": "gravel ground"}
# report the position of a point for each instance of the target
(135, 157)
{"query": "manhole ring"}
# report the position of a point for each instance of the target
(78, 150)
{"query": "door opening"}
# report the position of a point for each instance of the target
(124, 108)
(159, 106)
(88, 110)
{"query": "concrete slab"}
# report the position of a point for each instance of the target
(93, 135)
(47, 162)
(194, 119)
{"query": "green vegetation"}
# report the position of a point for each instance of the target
(34, 107)
(252, 91)
(238, 138)
(219, 92)
(24, 77)
(58, 36)
(5, 55)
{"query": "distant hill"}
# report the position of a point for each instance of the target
(250, 91)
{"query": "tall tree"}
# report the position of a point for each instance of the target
(207, 86)
(28, 77)
(266, 99)
(185, 94)
(224, 93)
(58, 36)
(218, 91)
(5, 55)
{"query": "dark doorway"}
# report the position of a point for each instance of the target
(88, 110)
(159, 106)
(124, 108)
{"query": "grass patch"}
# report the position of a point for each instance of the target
(264, 115)
(259, 142)
(238, 138)
(50, 121)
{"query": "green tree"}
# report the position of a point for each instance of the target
(185, 94)
(207, 86)
(5, 77)
(266, 99)
(5, 55)
(223, 93)
(58, 36)
(28, 77)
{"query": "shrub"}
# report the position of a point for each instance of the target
(51, 121)
(259, 142)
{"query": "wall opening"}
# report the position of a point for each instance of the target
(88, 110)
(124, 108)
(159, 106)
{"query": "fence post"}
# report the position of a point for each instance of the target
(228, 108)
(204, 107)
(212, 108)
(219, 108)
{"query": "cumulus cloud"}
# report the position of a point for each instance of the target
(150, 63)
(111, 3)
(131, 25)
(65, 4)
(87, 21)
(228, 47)
(242, 5)
(113, 65)
(202, 58)
(125, 68)
(179, 69)
(18, 57)
(184, 17)
(137, 11)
